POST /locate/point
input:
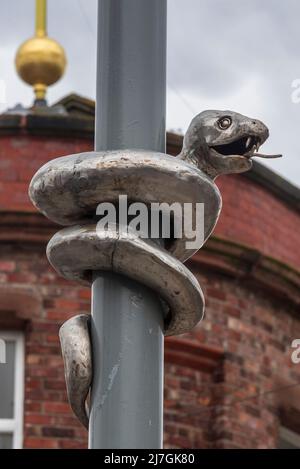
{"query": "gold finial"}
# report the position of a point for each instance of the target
(40, 61)
(41, 18)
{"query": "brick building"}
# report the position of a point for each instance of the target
(230, 383)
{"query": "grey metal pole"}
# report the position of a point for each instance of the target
(131, 75)
(127, 320)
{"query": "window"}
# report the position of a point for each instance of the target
(12, 391)
(288, 439)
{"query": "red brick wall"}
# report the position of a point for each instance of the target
(21, 157)
(251, 215)
(219, 380)
(223, 407)
(48, 421)
(235, 406)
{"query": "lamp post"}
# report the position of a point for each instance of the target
(127, 324)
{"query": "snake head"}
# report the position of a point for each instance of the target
(223, 142)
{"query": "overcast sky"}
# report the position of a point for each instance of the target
(222, 54)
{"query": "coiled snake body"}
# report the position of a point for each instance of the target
(68, 190)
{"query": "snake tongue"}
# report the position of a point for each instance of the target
(261, 155)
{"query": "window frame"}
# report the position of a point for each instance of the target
(289, 436)
(15, 425)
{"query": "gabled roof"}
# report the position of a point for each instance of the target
(77, 105)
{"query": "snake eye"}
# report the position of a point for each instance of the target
(224, 122)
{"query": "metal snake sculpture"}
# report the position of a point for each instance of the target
(68, 190)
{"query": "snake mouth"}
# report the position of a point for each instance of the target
(245, 146)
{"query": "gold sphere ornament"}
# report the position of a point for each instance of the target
(40, 62)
